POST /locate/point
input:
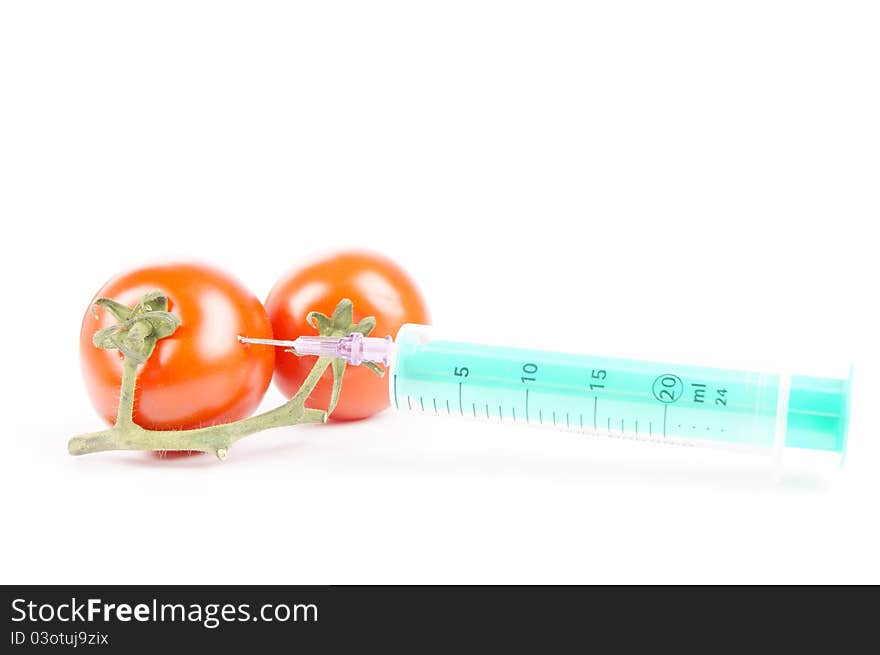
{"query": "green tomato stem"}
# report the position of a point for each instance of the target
(125, 412)
(215, 439)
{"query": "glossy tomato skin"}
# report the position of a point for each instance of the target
(200, 375)
(377, 287)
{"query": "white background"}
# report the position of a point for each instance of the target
(686, 179)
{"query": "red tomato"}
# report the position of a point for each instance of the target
(200, 375)
(377, 286)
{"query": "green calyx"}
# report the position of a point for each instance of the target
(139, 328)
(341, 325)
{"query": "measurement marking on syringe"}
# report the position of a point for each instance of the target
(595, 408)
(637, 427)
(448, 411)
(408, 403)
(435, 405)
(475, 410)
(527, 405)
(500, 413)
(665, 410)
(422, 403)
(396, 405)
(487, 411)
(460, 406)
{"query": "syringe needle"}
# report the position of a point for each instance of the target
(266, 342)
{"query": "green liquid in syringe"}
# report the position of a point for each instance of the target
(618, 397)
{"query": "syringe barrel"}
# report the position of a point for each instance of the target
(626, 398)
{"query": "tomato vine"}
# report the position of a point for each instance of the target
(136, 335)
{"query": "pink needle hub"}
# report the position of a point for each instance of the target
(355, 348)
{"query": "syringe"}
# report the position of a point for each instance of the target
(668, 403)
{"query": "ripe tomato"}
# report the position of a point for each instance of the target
(200, 375)
(377, 286)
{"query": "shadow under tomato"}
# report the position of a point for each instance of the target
(175, 454)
